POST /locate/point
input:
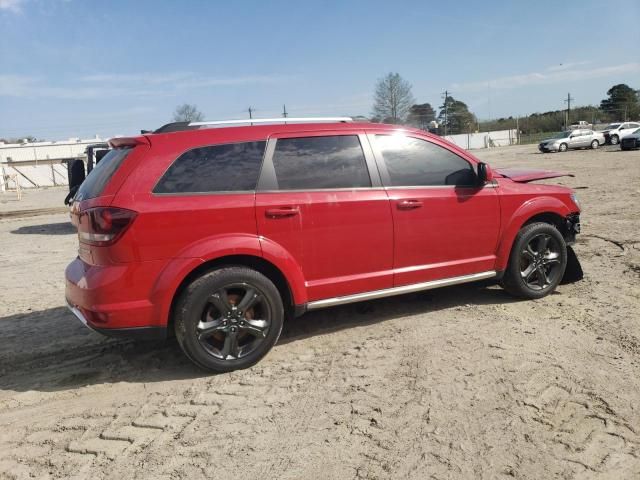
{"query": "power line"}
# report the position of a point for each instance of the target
(568, 102)
(446, 111)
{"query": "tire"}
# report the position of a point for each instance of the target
(563, 147)
(595, 144)
(211, 327)
(537, 262)
(614, 139)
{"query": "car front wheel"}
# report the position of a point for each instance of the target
(537, 262)
(595, 144)
(228, 319)
(563, 147)
(614, 139)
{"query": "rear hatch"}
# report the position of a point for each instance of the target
(100, 225)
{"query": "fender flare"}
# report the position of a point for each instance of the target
(526, 211)
(212, 248)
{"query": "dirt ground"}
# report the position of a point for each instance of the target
(463, 382)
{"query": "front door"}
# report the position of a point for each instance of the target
(445, 225)
(318, 201)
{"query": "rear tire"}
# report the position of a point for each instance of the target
(614, 139)
(563, 147)
(595, 144)
(228, 319)
(537, 262)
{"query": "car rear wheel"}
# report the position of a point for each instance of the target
(563, 147)
(595, 144)
(614, 139)
(228, 319)
(537, 262)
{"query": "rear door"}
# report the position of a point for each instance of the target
(445, 224)
(320, 199)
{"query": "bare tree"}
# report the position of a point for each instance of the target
(187, 113)
(393, 98)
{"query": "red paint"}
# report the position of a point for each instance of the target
(326, 243)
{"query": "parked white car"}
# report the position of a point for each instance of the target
(581, 124)
(617, 131)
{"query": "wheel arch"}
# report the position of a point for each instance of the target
(545, 209)
(259, 264)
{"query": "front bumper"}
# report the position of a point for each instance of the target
(572, 228)
(544, 148)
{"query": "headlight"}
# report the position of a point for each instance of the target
(574, 198)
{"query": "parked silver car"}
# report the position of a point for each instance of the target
(563, 141)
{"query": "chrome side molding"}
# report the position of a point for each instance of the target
(388, 292)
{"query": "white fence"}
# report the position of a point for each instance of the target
(470, 141)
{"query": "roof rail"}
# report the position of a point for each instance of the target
(252, 121)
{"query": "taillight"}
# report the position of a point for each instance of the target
(102, 226)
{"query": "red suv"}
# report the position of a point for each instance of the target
(218, 233)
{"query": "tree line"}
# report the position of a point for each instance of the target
(394, 103)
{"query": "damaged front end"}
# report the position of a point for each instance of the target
(573, 271)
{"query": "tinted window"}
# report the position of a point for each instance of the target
(98, 178)
(320, 162)
(414, 162)
(219, 168)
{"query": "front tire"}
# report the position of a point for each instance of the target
(615, 139)
(537, 262)
(595, 144)
(563, 147)
(228, 319)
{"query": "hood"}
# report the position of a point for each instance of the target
(524, 175)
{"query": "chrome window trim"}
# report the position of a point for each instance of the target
(388, 292)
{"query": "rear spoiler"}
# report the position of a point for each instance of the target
(120, 142)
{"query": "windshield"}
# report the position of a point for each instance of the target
(562, 135)
(613, 126)
(101, 174)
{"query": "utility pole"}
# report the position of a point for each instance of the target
(284, 111)
(250, 110)
(568, 102)
(446, 111)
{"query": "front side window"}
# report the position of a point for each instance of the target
(415, 162)
(218, 168)
(309, 163)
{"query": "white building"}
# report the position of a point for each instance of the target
(40, 164)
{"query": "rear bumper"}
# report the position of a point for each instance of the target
(136, 333)
(114, 299)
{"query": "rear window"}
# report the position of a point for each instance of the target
(218, 168)
(98, 178)
(320, 162)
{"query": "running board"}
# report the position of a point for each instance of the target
(388, 292)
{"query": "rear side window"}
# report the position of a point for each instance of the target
(320, 162)
(98, 178)
(218, 168)
(415, 162)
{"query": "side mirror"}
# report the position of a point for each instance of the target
(485, 175)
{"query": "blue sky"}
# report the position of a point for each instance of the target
(86, 67)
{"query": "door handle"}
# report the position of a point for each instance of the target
(409, 204)
(281, 212)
